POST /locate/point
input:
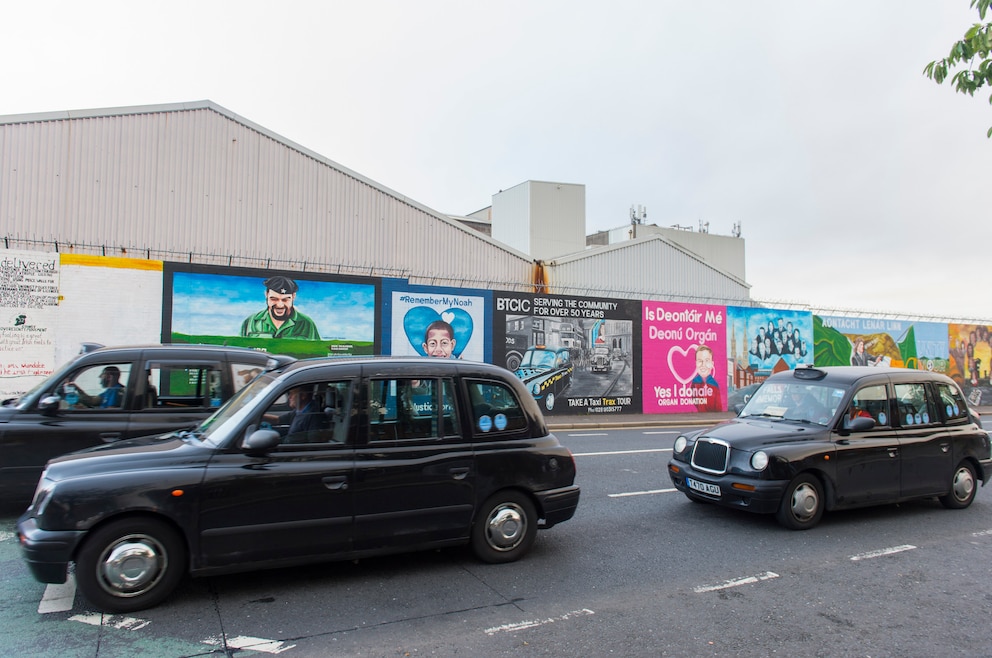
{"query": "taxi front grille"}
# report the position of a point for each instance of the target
(711, 456)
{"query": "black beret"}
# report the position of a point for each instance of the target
(281, 284)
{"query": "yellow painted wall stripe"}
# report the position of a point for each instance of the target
(90, 260)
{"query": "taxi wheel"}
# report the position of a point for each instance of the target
(963, 487)
(802, 504)
(130, 565)
(505, 528)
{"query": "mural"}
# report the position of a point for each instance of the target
(28, 310)
(848, 341)
(302, 315)
(439, 322)
(685, 358)
(970, 360)
(763, 341)
(574, 354)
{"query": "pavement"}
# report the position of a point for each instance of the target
(621, 421)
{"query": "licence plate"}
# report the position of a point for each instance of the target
(704, 487)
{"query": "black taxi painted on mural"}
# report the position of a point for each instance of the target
(817, 439)
(321, 459)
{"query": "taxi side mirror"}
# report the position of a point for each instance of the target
(261, 441)
(49, 405)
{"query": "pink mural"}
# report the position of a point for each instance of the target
(684, 348)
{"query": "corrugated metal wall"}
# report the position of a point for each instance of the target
(661, 270)
(196, 182)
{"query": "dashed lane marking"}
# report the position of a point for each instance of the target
(243, 642)
(521, 625)
(737, 582)
(641, 493)
(113, 621)
(882, 552)
(619, 452)
(58, 598)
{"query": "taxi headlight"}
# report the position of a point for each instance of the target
(535, 389)
(759, 460)
(680, 444)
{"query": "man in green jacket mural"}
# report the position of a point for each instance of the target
(279, 319)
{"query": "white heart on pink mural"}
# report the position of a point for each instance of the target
(686, 363)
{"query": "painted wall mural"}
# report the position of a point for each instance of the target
(847, 341)
(685, 357)
(970, 360)
(574, 354)
(293, 313)
(439, 322)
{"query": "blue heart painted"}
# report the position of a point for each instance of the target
(417, 319)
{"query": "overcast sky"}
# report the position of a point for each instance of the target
(858, 183)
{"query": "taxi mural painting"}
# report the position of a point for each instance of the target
(550, 342)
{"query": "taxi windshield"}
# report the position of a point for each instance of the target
(215, 429)
(803, 401)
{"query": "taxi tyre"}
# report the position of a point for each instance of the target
(963, 487)
(130, 564)
(802, 505)
(505, 527)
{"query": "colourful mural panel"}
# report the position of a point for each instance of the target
(849, 341)
(684, 358)
(576, 355)
(438, 322)
(970, 360)
(302, 315)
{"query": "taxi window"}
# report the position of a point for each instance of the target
(870, 401)
(494, 408)
(913, 405)
(952, 402)
(409, 409)
(101, 387)
(242, 373)
(311, 413)
(181, 386)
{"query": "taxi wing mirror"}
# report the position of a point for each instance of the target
(49, 405)
(261, 441)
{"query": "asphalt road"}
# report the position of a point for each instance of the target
(640, 571)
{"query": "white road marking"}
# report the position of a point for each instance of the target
(537, 622)
(881, 552)
(58, 598)
(737, 582)
(619, 452)
(641, 493)
(250, 643)
(113, 621)
(4, 535)
(983, 533)
(661, 432)
(590, 434)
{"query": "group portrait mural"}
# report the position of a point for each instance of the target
(763, 341)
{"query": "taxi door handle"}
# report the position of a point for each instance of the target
(110, 437)
(459, 472)
(893, 452)
(336, 482)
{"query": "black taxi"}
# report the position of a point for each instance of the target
(815, 439)
(316, 460)
(106, 394)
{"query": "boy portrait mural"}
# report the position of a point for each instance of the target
(684, 357)
(575, 355)
(858, 341)
(446, 323)
(302, 315)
